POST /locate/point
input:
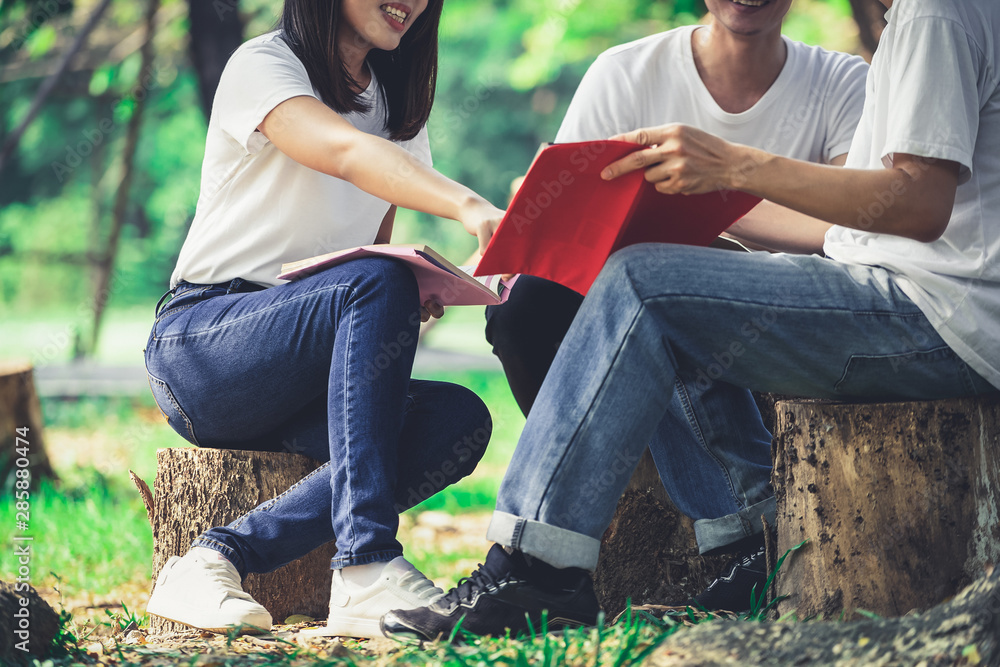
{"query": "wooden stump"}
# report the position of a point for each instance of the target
(198, 489)
(27, 624)
(649, 553)
(899, 502)
(20, 409)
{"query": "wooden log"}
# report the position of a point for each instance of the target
(963, 631)
(197, 489)
(20, 409)
(28, 625)
(899, 502)
(649, 554)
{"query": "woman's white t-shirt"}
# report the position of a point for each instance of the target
(258, 208)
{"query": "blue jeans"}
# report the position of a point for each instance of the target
(667, 342)
(320, 367)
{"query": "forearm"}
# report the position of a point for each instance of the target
(902, 200)
(776, 228)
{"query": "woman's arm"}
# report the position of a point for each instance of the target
(913, 198)
(384, 234)
(309, 132)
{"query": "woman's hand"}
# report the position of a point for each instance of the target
(681, 160)
(431, 309)
(481, 218)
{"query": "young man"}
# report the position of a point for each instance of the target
(906, 305)
(740, 79)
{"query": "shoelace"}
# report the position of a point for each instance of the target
(416, 582)
(467, 587)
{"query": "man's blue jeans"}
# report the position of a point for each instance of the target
(667, 342)
(320, 367)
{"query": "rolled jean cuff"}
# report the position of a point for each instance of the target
(726, 530)
(556, 546)
(227, 551)
(339, 563)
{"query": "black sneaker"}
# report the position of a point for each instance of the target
(731, 590)
(502, 594)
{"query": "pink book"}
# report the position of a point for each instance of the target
(438, 279)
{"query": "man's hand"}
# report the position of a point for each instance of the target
(680, 160)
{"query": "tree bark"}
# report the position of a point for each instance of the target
(870, 17)
(963, 631)
(649, 554)
(198, 489)
(41, 623)
(216, 31)
(20, 408)
(899, 502)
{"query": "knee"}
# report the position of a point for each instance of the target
(475, 435)
(536, 315)
(388, 276)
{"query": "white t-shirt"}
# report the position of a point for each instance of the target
(933, 92)
(258, 208)
(809, 112)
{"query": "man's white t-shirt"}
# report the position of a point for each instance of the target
(933, 92)
(809, 113)
(258, 208)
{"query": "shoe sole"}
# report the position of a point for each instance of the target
(242, 629)
(361, 628)
(177, 614)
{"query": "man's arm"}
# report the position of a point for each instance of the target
(915, 195)
(778, 229)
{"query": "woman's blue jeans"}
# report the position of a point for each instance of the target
(667, 343)
(319, 367)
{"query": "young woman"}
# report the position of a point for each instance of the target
(316, 135)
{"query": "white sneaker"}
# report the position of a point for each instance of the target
(356, 611)
(202, 589)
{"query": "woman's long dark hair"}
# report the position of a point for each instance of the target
(407, 75)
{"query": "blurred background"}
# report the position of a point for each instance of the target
(103, 113)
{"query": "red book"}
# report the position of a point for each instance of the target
(565, 221)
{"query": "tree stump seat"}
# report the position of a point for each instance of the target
(899, 502)
(197, 489)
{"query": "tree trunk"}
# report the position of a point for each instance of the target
(870, 17)
(103, 287)
(33, 629)
(963, 631)
(216, 31)
(648, 553)
(20, 409)
(198, 489)
(898, 500)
